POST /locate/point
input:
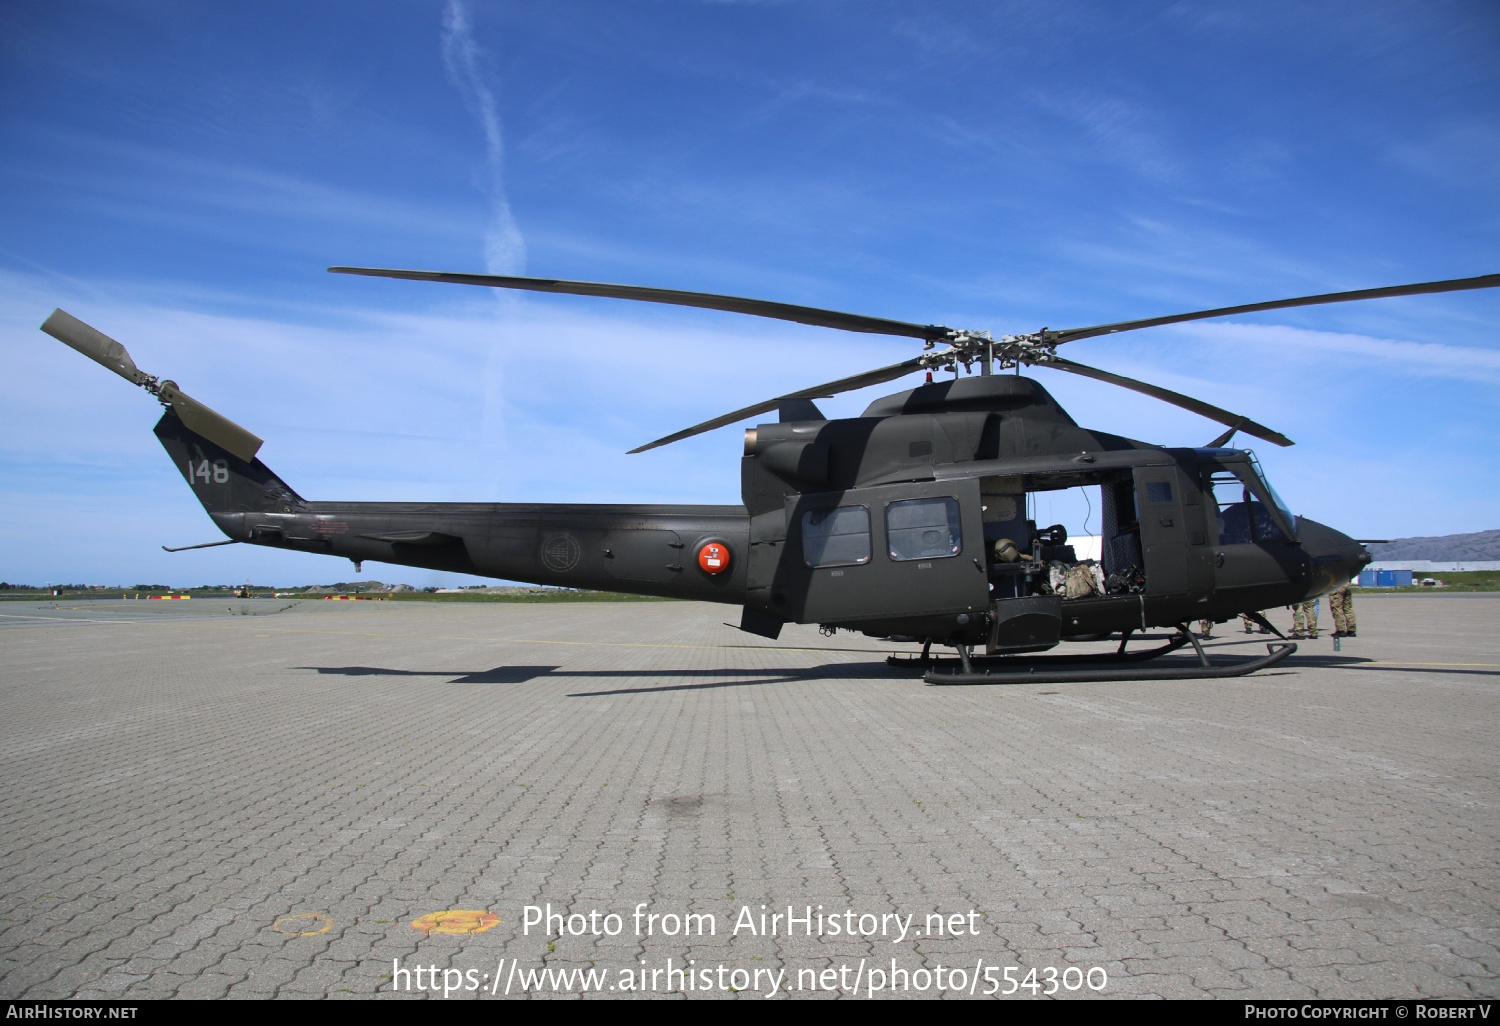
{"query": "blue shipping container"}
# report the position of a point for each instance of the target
(1367, 578)
(1387, 578)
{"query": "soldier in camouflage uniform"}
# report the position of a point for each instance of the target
(1250, 625)
(1205, 628)
(1341, 604)
(1305, 620)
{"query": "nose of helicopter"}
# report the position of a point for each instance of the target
(1336, 558)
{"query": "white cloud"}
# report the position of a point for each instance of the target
(391, 405)
(169, 187)
(1120, 130)
(1428, 359)
(504, 248)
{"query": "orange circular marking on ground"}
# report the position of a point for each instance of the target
(308, 924)
(455, 920)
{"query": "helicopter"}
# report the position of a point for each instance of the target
(907, 523)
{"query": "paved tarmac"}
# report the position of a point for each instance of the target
(201, 802)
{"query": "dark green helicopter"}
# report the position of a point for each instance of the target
(908, 522)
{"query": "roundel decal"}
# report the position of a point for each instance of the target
(561, 553)
(713, 558)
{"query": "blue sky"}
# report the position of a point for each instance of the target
(179, 174)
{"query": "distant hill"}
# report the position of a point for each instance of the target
(1483, 545)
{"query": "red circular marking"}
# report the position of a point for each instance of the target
(713, 558)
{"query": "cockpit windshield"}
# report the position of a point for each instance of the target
(1266, 482)
(1265, 515)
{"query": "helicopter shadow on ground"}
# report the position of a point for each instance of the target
(740, 677)
(1341, 662)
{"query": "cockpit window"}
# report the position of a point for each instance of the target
(1266, 483)
(1248, 508)
(1241, 517)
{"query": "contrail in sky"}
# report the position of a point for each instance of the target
(504, 248)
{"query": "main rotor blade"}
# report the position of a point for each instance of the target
(94, 344)
(849, 384)
(1166, 395)
(703, 300)
(1484, 281)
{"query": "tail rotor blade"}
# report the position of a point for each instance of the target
(99, 347)
(94, 344)
(212, 425)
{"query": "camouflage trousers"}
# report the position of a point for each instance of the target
(1305, 620)
(1247, 623)
(1341, 605)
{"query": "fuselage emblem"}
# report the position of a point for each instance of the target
(561, 553)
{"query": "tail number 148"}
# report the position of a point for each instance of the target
(203, 470)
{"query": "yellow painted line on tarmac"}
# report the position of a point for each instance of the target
(1408, 662)
(593, 644)
(459, 637)
(386, 634)
(502, 641)
(84, 619)
(584, 644)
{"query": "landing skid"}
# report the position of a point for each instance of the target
(1098, 667)
(927, 660)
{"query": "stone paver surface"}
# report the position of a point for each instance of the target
(177, 784)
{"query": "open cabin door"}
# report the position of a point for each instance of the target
(890, 552)
(1173, 531)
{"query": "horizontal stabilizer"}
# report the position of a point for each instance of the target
(203, 545)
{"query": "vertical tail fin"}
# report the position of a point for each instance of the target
(222, 481)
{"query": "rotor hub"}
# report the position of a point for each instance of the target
(971, 347)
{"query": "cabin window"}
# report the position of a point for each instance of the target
(1158, 491)
(836, 537)
(923, 528)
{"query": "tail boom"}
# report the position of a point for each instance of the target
(647, 550)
